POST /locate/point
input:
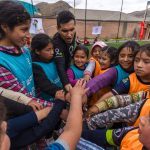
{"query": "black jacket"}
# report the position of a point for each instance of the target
(41, 81)
(63, 56)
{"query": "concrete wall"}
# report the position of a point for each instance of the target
(109, 29)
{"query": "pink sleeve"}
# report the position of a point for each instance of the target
(71, 77)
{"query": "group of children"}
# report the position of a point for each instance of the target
(114, 82)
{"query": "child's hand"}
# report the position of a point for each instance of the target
(68, 97)
(35, 105)
(41, 114)
(79, 89)
(91, 111)
(87, 78)
(68, 87)
(60, 95)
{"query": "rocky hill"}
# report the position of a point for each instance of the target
(140, 14)
(52, 9)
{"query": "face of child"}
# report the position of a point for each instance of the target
(80, 58)
(144, 130)
(47, 53)
(97, 52)
(105, 60)
(67, 31)
(142, 65)
(126, 57)
(18, 35)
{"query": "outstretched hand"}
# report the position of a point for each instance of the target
(79, 90)
(35, 105)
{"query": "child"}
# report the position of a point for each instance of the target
(93, 67)
(114, 75)
(138, 137)
(65, 141)
(108, 58)
(15, 60)
(80, 58)
(47, 81)
(128, 138)
(137, 81)
(140, 79)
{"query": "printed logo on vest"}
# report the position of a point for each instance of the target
(58, 53)
(71, 49)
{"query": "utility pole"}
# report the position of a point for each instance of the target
(85, 18)
(32, 7)
(119, 20)
(74, 6)
(145, 15)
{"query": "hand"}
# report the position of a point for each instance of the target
(35, 105)
(87, 78)
(79, 89)
(60, 95)
(68, 97)
(91, 111)
(41, 114)
(68, 87)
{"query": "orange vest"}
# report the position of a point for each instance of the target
(131, 141)
(103, 71)
(144, 111)
(136, 85)
(97, 67)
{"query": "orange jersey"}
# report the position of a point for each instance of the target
(131, 141)
(97, 67)
(136, 85)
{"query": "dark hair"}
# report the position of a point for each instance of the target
(145, 48)
(64, 17)
(12, 14)
(112, 52)
(81, 47)
(130, 44)
(40, 41)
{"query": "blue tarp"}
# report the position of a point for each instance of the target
(30, 8)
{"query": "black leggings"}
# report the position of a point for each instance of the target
(14, 108)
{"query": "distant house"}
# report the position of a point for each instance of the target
(109, 20)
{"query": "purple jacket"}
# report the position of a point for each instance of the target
(103, 80)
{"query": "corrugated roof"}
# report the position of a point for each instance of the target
(104, 15)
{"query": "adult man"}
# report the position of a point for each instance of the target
(64, 44)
